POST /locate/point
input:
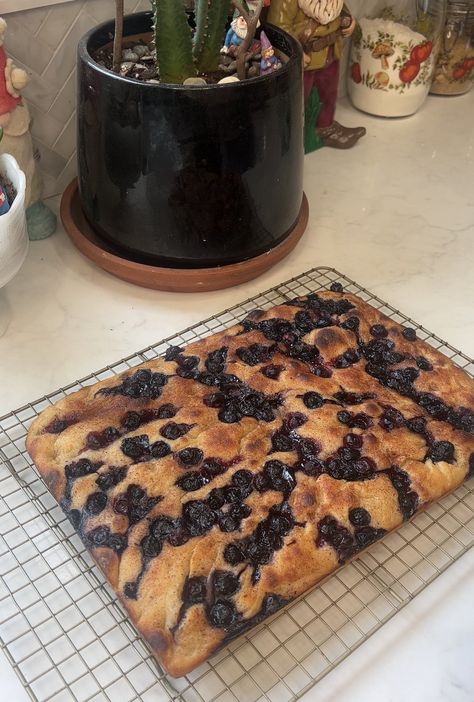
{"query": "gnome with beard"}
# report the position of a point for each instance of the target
(320, 26)
(235, 36)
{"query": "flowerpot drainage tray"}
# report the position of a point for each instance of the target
(168, 278)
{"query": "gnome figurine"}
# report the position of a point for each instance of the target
(15, 121)
(235, 35)
(269, 62)
(321, 26)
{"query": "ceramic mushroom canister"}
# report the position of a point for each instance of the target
(15, 121)
(321, 27)
(393, 56)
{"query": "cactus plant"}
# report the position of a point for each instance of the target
(173, 41)
(181, 53)
(211, 19)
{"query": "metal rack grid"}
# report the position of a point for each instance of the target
(68, 638)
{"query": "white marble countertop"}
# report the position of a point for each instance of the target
(396, 214)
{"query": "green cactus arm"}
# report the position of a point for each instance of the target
(173, 41)
(211, 19)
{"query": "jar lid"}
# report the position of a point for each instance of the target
(460, 10)
(460, 7)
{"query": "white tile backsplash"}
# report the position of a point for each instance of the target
(58, 22)
(44, 42)
(33, 19)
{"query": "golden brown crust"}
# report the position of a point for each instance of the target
(198, 555)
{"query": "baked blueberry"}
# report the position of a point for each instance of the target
(282, 442)
(358, 516)
(409, 333)
(96, 440)
(192, 481)
(80, 468)
(172, 353)
(198, 517)
(225, 583)
(391, 419)
(233, 555)
(130, 590)
(75, 518)
(222, 614)
(344, 416)
(190, 456)
(174, 431)
(423, 363)
(96, 502)
(99, 536)
(279, 476)
(195, 590)
(166, 411)
(242, 478)
(160, 449)
(378, 331)
(216, 498)
(353, 441)
(367, 535)
(313, 400)
(441, 451)
(162, 527)
(351, 323)
(136, 447)
(272, 371)
(151, 547)
(216, 360)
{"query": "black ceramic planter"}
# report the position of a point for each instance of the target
(189, 176)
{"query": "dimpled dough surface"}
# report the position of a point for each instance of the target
(219, 483)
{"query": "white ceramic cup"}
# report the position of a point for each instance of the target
(13, 232)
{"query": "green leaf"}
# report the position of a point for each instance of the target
(173, 41)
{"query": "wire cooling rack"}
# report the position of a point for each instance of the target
(68, 638)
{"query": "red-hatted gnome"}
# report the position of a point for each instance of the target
(12, 80)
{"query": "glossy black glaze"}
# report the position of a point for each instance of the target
(189, 176)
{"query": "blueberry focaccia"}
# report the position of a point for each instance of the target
(216, 484)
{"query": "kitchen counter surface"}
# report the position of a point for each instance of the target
(396, 214)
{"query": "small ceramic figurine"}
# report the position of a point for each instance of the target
(15, 120)
(269, 62)
(235, 35)
(320, 26)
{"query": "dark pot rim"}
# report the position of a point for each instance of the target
(108, 26)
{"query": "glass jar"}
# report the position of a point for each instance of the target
(454, 73)
(393, 55)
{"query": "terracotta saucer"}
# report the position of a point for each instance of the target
(169, 279)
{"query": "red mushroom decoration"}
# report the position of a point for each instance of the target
(409, 72)
(459, 73)
(421, 52)
(468, 63)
